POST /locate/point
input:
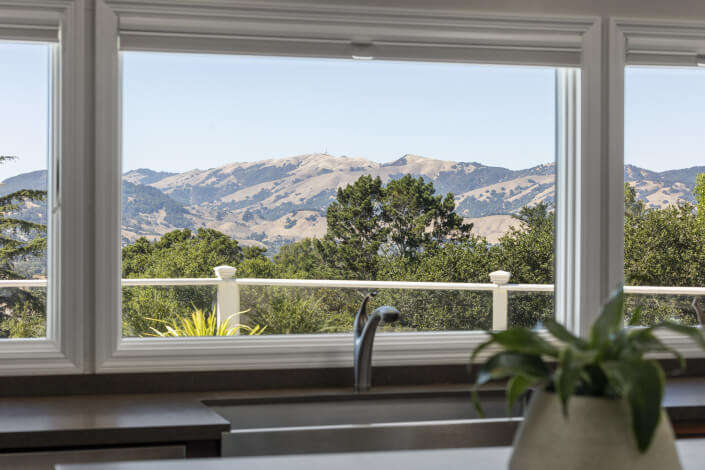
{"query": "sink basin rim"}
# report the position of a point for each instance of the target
(346, 396)
(393, 424)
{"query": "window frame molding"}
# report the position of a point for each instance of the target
(634, 41)
(69, 300)
(513, 38)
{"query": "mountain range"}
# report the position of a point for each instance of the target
(272, 202)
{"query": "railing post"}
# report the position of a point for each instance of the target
(228, 299)
(500, 299)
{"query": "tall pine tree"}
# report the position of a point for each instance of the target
(21, 310)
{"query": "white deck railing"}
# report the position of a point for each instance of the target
(228, 289)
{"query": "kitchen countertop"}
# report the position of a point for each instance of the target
(685, 399)
(105, 420)
(691, 451)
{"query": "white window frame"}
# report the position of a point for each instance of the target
(651, 43)
(233, 26)
(69, 299)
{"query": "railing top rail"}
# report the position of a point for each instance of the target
(23, 283)
(332, 283)
(664, 290)
(177, 281)
(355, 284)
(529, 287)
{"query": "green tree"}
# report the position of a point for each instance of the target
(180, 253)
(417, 219)
(527, 252)
(355, 229)
(699, 192)
(303, 259)
(22, 311)
(663, 247)
(297, 310)
(438, 310)
(633, 206)
(403, 218)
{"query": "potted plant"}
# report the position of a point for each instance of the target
(599, 405)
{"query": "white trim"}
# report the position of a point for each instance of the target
(217, 26)
(581, 256)
(659, 43)
(277, 28)
(640, 42)
(567, 242)
(23, 21)
(593, 285)
(296, 29)
(107, 217)
(62, 351)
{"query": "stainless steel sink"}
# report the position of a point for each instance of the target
(370, 437)
(363, 422)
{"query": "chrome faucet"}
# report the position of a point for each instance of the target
(364, 330)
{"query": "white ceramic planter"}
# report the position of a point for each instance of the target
(596, 435)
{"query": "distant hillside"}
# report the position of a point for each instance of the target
(145, 176)
(32, 180)
(271, 202)
(34, 211)
(145, 207)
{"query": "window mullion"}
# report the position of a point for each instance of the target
(567, 273)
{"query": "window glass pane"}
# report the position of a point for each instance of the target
(24, 132)
(334, 169)
(664, 178)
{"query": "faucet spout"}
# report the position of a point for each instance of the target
(364, 330)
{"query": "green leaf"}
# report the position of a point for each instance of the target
(643, 341)
(475, 399)
(506, 364)
(641, 383)
(479, 349)
(522, 340)
(594, 380)
(561, 333)
(516, 387)
(567, 377)
(610, 320)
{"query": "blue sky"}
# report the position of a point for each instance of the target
(24, 100)
(183, 111)
(664, 117)
(186, 111)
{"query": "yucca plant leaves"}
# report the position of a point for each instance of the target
(611, 364)
(202, 324)
(610, 320)
(641, 383)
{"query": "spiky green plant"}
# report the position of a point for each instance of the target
(610, 363)
(202, 324)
